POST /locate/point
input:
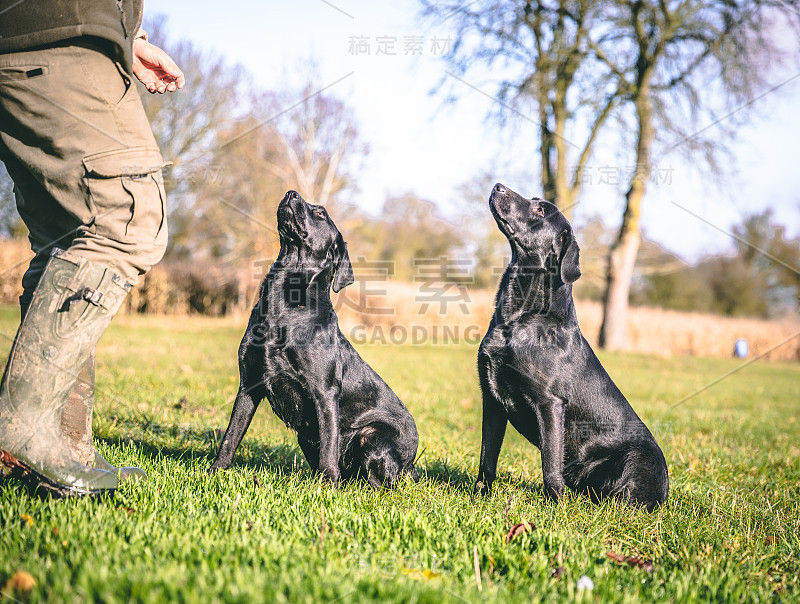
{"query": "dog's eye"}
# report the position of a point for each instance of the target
(539, 210)
(319, 213)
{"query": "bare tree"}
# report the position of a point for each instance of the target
(658, 66)
(317, 147)
(304, 140)
(187, 123)
(667, 56)
(549, 76)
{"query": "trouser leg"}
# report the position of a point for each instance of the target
(71, 307)
(77, 413)
(78, 146)
(77, 143)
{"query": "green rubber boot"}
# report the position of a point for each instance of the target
(73, 304)
(76, 426)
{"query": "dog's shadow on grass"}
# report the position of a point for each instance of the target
(444, 473)
(195, 447)
(458, 480)
(280, 458)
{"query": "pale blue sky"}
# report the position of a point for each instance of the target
(418, 146)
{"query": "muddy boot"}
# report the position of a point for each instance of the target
(76, 426)
(76, 418)
(73, 304)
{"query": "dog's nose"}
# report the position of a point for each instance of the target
(498, 188)
(292, 195)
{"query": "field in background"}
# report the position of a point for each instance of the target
(650, 330)
(383, 311)
(269, 530)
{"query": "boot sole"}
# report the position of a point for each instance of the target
(38, 483)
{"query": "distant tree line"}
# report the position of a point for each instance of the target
(235, 149)
(759, 278)
(646, 75)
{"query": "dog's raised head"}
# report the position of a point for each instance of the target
(540, 237)
(308, 231)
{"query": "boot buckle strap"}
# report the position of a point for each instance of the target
(92, 296)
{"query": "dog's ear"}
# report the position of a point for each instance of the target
(344, 269)
(570, 258)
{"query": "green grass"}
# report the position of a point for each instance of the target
(270, 530)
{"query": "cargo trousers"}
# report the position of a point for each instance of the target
(86, 167)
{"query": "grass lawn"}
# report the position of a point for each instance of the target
(270, 530)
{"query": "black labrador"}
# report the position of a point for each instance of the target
(348, 421)
(538, 372)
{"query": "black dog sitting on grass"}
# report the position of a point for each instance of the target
(346, 418)
(538, 372)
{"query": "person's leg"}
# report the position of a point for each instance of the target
(76, 426)
(82, 154)
(72, 305)
(79, 148)
(76, 418)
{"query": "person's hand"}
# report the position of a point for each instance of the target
(155, 69)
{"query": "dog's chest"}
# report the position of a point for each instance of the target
(290, 402)
(515, 374)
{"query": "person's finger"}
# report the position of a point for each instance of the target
(148, 79)
(149, 83)
(171, 69)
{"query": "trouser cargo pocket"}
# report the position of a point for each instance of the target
(126, 195)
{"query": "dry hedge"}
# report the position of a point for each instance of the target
(398, 312)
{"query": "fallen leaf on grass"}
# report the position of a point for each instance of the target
(21, 582)
(631, 561)
(518, 529)
(26, 519)
(416, 573)
(771, 540)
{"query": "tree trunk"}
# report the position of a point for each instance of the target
(563, 193)
(622, 256)
(621, 260)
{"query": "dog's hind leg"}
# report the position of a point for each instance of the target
(637, 476)
(247, 401)
(380, 461)
(644, 480)
(382, 467)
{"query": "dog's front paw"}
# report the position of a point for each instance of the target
(331, 476)
(482, 488)
(554, 489)
(216, 467)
